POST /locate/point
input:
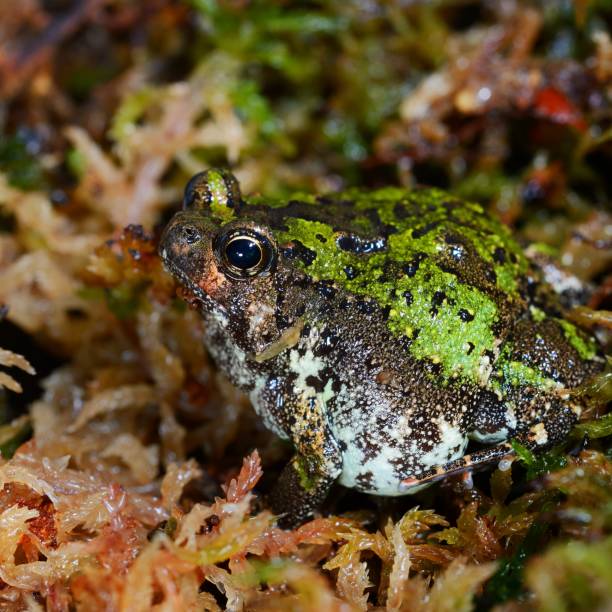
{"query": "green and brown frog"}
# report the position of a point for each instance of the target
(377, 331)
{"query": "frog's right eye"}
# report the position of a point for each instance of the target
(212, 189)
(244, 254)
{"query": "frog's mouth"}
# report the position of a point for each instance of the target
(204, 301)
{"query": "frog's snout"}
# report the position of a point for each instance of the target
(179, 234)
(190, 234)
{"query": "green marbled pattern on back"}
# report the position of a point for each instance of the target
(479, 288)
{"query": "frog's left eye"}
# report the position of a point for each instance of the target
(245, 254)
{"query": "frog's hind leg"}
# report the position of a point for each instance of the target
(501, 453)
(554, 427)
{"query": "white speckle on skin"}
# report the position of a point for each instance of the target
(540, 435)
(215, 317)
(258, 315)
(485, 368)
(307, 365)
(511, 420)
(402, 430)
(384, 480)
(304, 366)
(389, 449)
(451, 445)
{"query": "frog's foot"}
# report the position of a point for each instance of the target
(535, 439)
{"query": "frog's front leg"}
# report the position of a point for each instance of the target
(302, 487)
(307, 478)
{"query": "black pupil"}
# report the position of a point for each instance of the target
(243, 253)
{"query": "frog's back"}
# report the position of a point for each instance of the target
(448, 278)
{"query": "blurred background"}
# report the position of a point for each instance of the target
(506, 102)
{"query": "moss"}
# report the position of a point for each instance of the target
(76, 163)
(543, 463)
(13, 435)
(573, 576)
(131, 110)
(21, 166)
(544, 249)
(507, 583)
(537, 314)
(597, 428)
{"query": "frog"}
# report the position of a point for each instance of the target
(378, 331)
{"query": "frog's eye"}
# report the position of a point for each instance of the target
(245, 254)
(212, 189)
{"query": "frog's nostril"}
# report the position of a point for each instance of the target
(190, 234)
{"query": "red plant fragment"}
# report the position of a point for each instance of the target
(250, 473)
(43, 526)
(554, 105)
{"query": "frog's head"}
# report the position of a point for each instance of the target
(228, 260)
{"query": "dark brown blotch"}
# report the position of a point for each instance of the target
(412, 267)
(466, 316)
(297, 251)
(499, 255)
(419, 232)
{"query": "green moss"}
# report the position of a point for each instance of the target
(507, 582)
(76, 162)
(543, 463)
(573, 576)
(131, 110)
(22, 168)
(482, 185)
(123, 301)
(13, 435)
(253, 106)
(597, 428)
(544, 249)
